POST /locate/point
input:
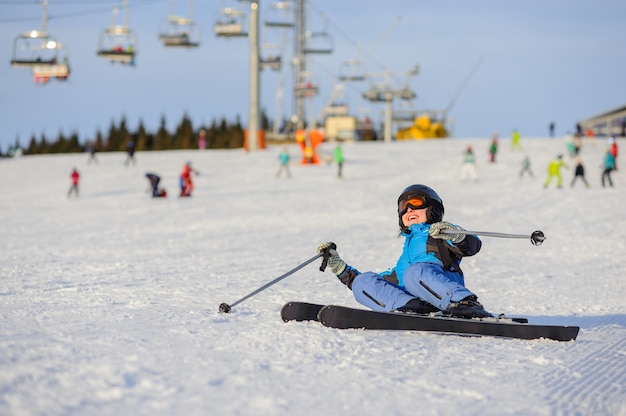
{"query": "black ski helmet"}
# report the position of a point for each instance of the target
(435, 208)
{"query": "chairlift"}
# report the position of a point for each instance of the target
(279, 16)
(272, 60)
(306, 89)
(179, 31)
(318, 43)
(380, 93)
(118, 43)
(351, 71)
(406, 94)
(59, 71)
(231, 24)
(36, 47)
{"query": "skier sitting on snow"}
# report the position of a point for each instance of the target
(427, 277)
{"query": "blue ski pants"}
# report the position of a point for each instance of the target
(429, 282)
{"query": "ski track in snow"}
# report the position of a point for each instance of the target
(108, 303)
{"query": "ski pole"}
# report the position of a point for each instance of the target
(536, 238)
(225, 307)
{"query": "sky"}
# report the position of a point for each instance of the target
(497, 66)
(109, 302)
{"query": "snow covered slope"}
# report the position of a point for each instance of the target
(109, 302)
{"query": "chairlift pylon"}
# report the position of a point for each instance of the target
(118, 43)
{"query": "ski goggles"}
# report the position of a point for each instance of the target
(413, 202)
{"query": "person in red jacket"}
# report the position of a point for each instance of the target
(613, 146)
(74, 188)
(186, 184)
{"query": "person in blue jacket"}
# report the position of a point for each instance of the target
(427, 277)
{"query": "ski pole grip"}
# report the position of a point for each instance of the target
(326, 255)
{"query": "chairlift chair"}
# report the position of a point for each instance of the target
(231, 25)
(278, 16)
(34, 48)
(118, 43)
(306, 89)
(318, 43)
(179, 31)
(351, 71)
(273, 59)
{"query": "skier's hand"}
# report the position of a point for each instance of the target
(437, 230)
(337, 266)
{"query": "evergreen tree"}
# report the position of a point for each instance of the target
(162, 138)
(33, 146)
(141, 138)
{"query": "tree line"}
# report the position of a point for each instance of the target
(219, 135)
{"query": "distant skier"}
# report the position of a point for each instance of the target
(284, 158)
(579, 172)
(609, 166)
(130, 153)
(427, 277)
(516, 137)
(186, 183)
(468, 169)
(339, 160)
(154, 183)
(613, 147)
(526, 167)
(554, 171)
(91, 149)
(75, 176)
(493, 148)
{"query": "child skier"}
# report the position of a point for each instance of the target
(74, 187)
(427, 276)
(186, 184)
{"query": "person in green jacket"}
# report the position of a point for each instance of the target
(554, 170)
(339, 159)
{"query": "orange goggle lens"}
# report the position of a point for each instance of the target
(415, 202)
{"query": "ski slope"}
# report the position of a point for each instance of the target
(109, 301)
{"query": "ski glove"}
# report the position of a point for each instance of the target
(437, 231)
(335, 263)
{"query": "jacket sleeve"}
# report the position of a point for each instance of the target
(470, 245)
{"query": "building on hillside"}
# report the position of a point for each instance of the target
(609, 123)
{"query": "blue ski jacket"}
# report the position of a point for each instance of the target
(420, 247)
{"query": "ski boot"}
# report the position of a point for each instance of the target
(468, 307)
(417, 306)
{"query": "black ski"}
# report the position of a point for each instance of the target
(344, 318)
(300, 311)
(304, 311)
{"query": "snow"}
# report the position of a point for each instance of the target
(109, 302)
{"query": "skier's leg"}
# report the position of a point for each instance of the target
(435, 285)
(371, 290)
